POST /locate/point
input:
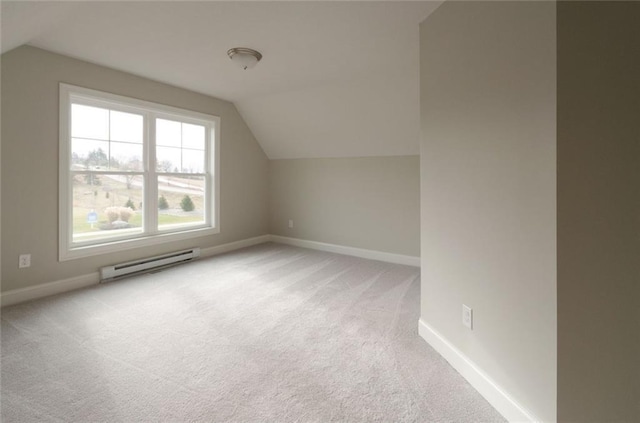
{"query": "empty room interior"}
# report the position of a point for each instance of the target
(420, 211)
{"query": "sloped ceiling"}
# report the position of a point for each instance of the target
(338, 79)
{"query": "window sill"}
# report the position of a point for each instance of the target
(128, 244)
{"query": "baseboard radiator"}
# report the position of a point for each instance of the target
(121, 270)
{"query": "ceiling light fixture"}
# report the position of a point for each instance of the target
(246, 58)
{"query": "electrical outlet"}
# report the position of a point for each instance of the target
(24, 261)
(467, 316)
(291, 223)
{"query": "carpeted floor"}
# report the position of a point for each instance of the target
(268, 333)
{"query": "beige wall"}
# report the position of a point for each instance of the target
(371, 203)
(30, 79)
(488, 190)
(598, 211)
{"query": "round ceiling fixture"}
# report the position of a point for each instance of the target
(246, 58)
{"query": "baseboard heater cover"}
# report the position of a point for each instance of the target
(109, 273)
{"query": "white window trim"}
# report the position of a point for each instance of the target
(66, 249)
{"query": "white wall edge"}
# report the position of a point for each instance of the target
(21, 295)
(491, 391)
(350, 251)
(235, 245)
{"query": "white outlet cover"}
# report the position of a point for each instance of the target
(24, 261)
(467, 316)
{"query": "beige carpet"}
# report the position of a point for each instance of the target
(268, 333)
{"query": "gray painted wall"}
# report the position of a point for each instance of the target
(371, 203)
(30, 79)
(488, 189)
(598, 211)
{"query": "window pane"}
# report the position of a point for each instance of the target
(168, 159)
(192, 136)
(126, 156)
(89, 154)
(106, 206)
(192, 161)
(126, 127)
(107, 182)
(168, 133)
(181, 201)
(89, 122)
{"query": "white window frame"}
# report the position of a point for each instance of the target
(69, 250)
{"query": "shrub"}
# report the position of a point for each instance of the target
(112, 213)
(162, 203)
(130, 204)
(125, 213)
(186, 204)
(118, 213)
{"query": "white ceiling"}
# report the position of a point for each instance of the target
(338, 79)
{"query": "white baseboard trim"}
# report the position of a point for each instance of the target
(491, 391)
(350, 251)
(235, 245)
(21, 295)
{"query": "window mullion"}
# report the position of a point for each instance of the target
(151, 179)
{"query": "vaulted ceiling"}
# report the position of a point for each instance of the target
(338, 79)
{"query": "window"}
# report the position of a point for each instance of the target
(133, 173)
